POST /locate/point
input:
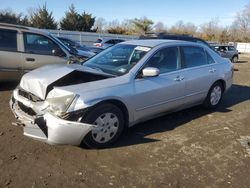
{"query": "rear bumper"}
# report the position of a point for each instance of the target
(50, 128)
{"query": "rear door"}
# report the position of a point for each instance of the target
(10, 57)
(38, 51)
(198, 74)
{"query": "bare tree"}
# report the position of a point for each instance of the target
(211, 30)
(160, 27)
(100, 25)
(242, 22)
(183, 28)
(224, 36)
(128, 26)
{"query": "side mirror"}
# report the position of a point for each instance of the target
(150, 72)
(58, 52)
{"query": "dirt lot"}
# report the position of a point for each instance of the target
(191, 148)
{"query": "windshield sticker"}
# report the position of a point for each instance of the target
(142, 48)
(122, 70)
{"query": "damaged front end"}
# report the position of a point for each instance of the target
(46, 120)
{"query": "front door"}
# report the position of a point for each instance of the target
(154, 95)
(39, 51)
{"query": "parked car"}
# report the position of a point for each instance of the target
(170, 36)
(23, 49)
(105, 43)
(227, 51)
(126, 84)
(82, 50)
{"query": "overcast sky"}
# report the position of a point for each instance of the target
(166, 11)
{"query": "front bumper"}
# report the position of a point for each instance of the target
(48, 127)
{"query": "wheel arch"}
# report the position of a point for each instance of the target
(222, 82)
(120, 105)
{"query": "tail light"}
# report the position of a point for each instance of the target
(98, 44)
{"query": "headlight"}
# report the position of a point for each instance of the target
(60, 105)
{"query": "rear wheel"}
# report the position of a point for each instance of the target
(109, 121)
(214, 96)
(235, 59)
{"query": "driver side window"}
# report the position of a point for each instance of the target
(38, 44)
(166, 60)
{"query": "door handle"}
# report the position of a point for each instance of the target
(179, 78)
(212, 70)
(30, 59)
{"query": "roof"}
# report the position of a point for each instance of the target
(32, 29)
(154, 42)
(13, 26)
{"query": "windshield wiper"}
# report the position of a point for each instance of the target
(100, 70)
(95, 68)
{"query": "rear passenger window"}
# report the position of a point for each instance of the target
(210, 60)
(38, 44)
(194, 56)
(8, 40)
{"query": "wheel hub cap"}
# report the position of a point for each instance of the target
(107, 127)
(215, 95)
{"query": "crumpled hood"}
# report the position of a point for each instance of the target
(42, 80)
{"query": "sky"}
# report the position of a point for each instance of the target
(167, 11)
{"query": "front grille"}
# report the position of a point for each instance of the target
(29, 96)
(26, 109)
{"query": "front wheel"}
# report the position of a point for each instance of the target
(214, 96)
(109, 121)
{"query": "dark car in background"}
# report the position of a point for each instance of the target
(82, 50)
(227, 51)
(170, 36)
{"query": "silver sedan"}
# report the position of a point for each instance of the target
(92, 103)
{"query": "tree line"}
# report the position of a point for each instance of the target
(42, 18)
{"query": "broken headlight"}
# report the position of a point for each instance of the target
(60, 105)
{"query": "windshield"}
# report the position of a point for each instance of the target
(117, 60)
(69, 49)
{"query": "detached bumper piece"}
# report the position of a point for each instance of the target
(48, 127)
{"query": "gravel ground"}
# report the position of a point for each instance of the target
(191, 148)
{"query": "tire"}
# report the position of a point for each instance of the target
(110, 124)
(214, 96)
(235, 59)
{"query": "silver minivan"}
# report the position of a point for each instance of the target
(23, 49)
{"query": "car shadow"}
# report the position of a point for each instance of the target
(138, 133)
(242, 61)
(7, 86)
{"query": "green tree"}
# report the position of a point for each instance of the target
(7, 16)
(143, 25)
(42, 18)
(77, 22)
(86, 22)
(71, 19)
